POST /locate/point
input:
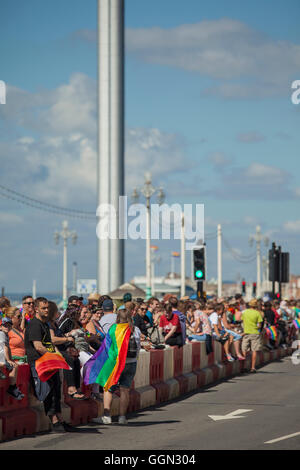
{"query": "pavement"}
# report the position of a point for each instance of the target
(242, 413)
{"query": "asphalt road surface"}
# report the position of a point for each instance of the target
(270, 398)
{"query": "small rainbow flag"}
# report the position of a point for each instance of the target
(272, 332)
(107, 364)
(48, 364)
(296, 323)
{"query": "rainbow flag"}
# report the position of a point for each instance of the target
(272, 332)
(107, 364)
(48, 364)
(296, 323)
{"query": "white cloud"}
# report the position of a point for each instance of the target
(59, 164)
(292, 226)
(222, 49)
(10, 219)
(250, 137)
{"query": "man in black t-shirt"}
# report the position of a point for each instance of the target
(37, 343)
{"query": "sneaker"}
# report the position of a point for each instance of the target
(122, 420)
(15, 392)
(2, 376)
(97, 420)
(106, 419)
(230, 358)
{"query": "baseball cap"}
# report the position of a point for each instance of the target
(6, 321)
(127, 297)
(108, 305)
(73, 297)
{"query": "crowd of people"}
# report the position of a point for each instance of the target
(77, 333)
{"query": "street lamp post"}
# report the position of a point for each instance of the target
(258, 238)
(148, 191)
(65, 234)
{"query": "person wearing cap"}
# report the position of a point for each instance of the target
(109, 317)
(93, 299)
(7, 361)
(252, 322)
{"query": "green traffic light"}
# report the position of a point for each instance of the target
(199, 274)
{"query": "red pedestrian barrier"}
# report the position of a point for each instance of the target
(82, 411)
(196, 355)
(134, 401)
(178, 361)
(156, 366)
(211, 359)
(201, 377)
(17, 423)
(7, 402)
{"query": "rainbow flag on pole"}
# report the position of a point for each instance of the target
(107, 364)
(296, 323)
(272, 332)
(48, 364)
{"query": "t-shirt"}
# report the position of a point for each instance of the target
(107, 321)
(140, 323)
(167, 325)
(214, 319)
(182, 319)
(205, 325)
(37, 331)
(16, 342)
(251, 318)
(149, 316)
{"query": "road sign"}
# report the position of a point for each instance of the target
(86, 286)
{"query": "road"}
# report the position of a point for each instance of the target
(271, 398)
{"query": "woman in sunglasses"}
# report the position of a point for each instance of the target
(140, 320)
(16, 335)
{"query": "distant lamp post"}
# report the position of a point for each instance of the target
(148, 191)
(65, 234)
(258, 238)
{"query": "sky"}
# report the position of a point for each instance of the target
(208, 112)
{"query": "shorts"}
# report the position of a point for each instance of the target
(236, 336)
(127, 376)
(252, 343)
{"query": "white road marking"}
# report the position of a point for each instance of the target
(283, 438)
(232, 415)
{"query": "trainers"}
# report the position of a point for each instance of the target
(122, 420)
(106, 419)
(15, 392)
(2, 376)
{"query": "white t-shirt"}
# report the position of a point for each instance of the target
(3, 342)
(107, 321)
(214, 319)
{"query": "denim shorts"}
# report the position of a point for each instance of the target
(127, 375)
(236, 336)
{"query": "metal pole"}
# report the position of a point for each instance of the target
(148, 252)
(116, 135)
(182, 260)
(74, 277)
(104, 128)
(220, 280)
(258, 250)
(65, 275)
(34, 289)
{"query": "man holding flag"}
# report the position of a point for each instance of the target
(44, 366)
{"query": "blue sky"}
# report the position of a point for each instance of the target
(208, 112)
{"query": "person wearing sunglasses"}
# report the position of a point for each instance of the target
(140, 320)
(16, 335)
(28, 311)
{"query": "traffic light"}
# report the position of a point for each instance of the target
(199, 263)
(254, 289)
(285, 267)
(244, 287)
(279, 265)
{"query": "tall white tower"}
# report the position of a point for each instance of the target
(110, 262)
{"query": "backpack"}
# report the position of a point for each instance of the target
(132, 347)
